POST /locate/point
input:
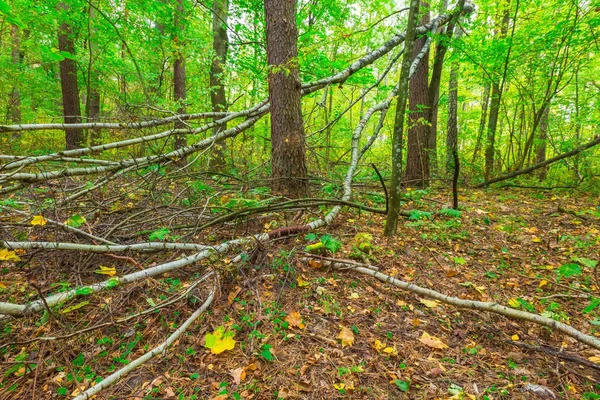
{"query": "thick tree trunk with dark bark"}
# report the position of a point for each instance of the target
(179, 78)
(417, 164)
(288, 158)
(69, 85)
(218, 97)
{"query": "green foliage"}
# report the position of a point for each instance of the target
(567, 271)
(416, 215)
(159, 234)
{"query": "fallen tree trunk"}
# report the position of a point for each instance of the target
(549, 161)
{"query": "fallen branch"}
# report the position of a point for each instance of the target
(486, 306)
(534, 167)
(116, 376)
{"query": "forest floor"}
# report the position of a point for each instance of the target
(306, 330)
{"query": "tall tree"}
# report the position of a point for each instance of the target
(218, 98)
(417, 162)
(92, 108)
(179, 79)
(497, 90)
(14, 101)
(540, 151)
(391, 222)
(452, 135)
(288, 143)
(68, 81)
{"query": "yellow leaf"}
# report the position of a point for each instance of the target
(110, 271)
(295, 320)
(339, 386)
(543, 283)
(514, 303)
(302, 282)
(429, 303)
(594, 359)
(514, 337)
(432, 341)
(8, 255)
(75, 307)
(220, 340)
(392, 351)
(536, 239)
(39, 220)
(346, 336)
(354, 296)
(378, 345)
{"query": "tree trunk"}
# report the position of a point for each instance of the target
(218, 97)
(434, 87)
(417, 164)
(179, 92)
(93, 95)
(288, 143)
(497, 88)
(540, 151)
(69, 85)
(14, 101)
(391, 223)
(485, 100)
(452, 136)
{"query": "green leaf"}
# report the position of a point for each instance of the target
(75, 307)
(159, 234)
(450, 212)
(266, 352)
(586, 262)
(594, 303)
(568, 270)
(404, 386)
(460, 260)
(76, 221)
(332, 244)
(416, 215)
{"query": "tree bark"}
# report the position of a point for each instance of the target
(391, 223)
(218, 98)
(497, 89)
(179, 76)
(540, 151)
(14, 101)
(452, 135)
(417, 163)
(93, 84)
(485, 100)
(288, 143)
(69, 85)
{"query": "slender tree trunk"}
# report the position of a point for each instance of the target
(179, 77)
(69, 85)
(434, 87)
(485, 100)
(540, 151)
(288, 143)
(452, 136)
(218, 96)
(417, 164)
(391, 223)
(93, 84)
(497, 88)
(14, 101)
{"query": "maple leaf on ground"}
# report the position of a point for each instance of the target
(220, 340)
(432, 341)
(295, 320)
(346, 336)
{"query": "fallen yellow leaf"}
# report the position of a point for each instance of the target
(346, 336)
(39, 220)
(429, 303)
(515, 337)
(8, 255)
(295, 320)
(432, 341)
(302, 282)
(543, 283)
(110, 271)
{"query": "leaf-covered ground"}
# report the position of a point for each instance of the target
(302, 329)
